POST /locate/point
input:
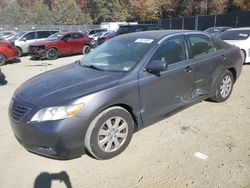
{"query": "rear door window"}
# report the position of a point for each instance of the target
(43, 34)
(200, 45)
(68, 37)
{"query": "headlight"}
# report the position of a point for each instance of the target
(56, 113)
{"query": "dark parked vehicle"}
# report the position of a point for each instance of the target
(60, 44)
(124, 29)
(124, 85)
(216, 31)
(2, 78)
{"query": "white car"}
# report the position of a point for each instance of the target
(23, 39)
(239, 37)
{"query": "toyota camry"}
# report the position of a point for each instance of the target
(95, 105)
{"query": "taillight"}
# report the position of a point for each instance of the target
(242, 55)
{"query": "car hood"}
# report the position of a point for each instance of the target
(63, 85)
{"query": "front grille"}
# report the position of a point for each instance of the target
(17, 111)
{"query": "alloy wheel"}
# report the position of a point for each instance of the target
(226, 86)
(112, 134)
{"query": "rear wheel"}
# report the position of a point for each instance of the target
(109, 133)
(86, 49)
(2, 59)
(225, 87)
(19, 51)
(51, 54)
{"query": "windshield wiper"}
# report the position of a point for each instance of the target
(92, 67)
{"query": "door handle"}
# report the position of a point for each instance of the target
(223, 57)
(188, 69)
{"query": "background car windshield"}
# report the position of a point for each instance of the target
(235, 35)
(55, 37)
(17, 36)
(119, 54)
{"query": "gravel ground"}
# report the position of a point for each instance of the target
(161, 155)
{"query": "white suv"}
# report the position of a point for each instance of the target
(23, 39)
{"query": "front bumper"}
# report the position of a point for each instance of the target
(62, 139)
(36, 52)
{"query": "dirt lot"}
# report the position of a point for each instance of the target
(159, 156)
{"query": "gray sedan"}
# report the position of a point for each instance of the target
(130, 82)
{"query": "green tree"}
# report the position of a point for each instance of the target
(145, 9)
(15, 14)
(66, 12)
(108, 11)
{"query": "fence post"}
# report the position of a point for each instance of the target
(196, 22)
(237, 20)
(182, 23)
(215, 20)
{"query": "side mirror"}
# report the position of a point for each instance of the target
(157, 66)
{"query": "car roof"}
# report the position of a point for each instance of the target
(69, 32)
(240, 28)
(159, 34)
(220, 27)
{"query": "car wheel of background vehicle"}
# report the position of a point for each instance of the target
(225, 87)
(51, 54)
(2, 59)
(86, 49)
(244, 56)
(109, 133)
(19, 51)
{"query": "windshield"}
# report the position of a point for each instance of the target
(55, 37)
(119, 54)
(235, 35)
(17, 36)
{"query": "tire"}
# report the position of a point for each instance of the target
(86, 49)
(244, 56)
(2, 60)
(109, 133)
(19, 51)
(225, 87)
(51, 54)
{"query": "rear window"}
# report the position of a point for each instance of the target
(235, 35)
(135, 28)
(43, 34)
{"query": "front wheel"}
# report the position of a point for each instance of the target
(109, 133)
(2, 59)
(225, 88)
(86, 49)
(51, 54)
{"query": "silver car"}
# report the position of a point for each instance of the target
(23, 39)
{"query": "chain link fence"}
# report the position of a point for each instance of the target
(234, 19)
